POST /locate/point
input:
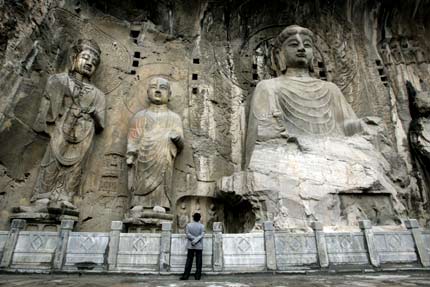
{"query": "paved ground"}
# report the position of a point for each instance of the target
(362, 280)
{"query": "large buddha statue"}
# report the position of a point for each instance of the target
(308, 156)
(295, 103)
(155, 137)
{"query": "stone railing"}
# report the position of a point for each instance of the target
(164, 252)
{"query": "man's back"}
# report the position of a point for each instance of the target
(195, 230)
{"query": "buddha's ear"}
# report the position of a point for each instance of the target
(169, 96)
(311, 65)
(278, 61)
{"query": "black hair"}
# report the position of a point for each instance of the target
(197, 216)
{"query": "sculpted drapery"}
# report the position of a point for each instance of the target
(72, 110)
(154, 139)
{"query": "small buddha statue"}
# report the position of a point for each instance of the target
(155, 137)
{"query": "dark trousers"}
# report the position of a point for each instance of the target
(189, 264)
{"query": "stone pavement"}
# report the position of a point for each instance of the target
(254, 280)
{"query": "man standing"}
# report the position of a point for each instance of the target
(195, 232)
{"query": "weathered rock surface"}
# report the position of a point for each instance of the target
(336, 181)
(214, 53)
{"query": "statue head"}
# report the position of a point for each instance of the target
(86, 57)
(293, 48)
(159, 91)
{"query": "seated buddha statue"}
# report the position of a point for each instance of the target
(308, 156)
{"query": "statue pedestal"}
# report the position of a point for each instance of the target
(44, 218)
(146, 221)
(336, 181)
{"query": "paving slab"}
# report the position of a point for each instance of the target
(411, 279)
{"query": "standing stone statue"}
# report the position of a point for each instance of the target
(74, 110)
(419, 139)
(155, 137)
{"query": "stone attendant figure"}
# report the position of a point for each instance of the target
(73, 109)
(155, 137)
(419, 139)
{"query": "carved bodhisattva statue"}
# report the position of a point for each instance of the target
(71, 112)
(308, 155)
(76, 110)
(155, 137)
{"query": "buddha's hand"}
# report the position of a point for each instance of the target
(88, 110)
(131, 157)
(175, 137)
(284, 134)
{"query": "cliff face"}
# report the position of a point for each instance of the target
(214, 53)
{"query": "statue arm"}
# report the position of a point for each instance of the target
(99, 112)
(265, 116)
(177, 135)
(134, 133)
(351, 123)
(50, 104)
(40, 122)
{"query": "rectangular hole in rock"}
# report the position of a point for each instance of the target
(255, 76)
(133, 72)
(195, 76)
(135, 63)
(134, 33)
(195, 91)
(320, 65)
(384, 79)
(381, 71)
(137, 55)
(196, 61)
(378, 62)
(254, 66)
(322, 74)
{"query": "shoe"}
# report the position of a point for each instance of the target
(183, 278)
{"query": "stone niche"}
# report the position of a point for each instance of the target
(236, 216)
(214, 53)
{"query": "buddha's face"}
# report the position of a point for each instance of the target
(86, 62)
(159, 91)
(298, 51)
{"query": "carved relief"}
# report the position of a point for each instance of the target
(155, 138)
(74, 110)
(115, 56)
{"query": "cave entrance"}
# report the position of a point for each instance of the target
(235, 215)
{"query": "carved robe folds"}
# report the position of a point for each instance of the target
(77, 109)
(290, 106)
(150, 138)
(307, 159)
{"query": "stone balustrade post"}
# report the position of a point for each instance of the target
(166, 237)
(321, 244)
(412, 224)
(16, 226)
(217, 251)
(269, 244)
(366, 227)
(60, 252)
(114, 237)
